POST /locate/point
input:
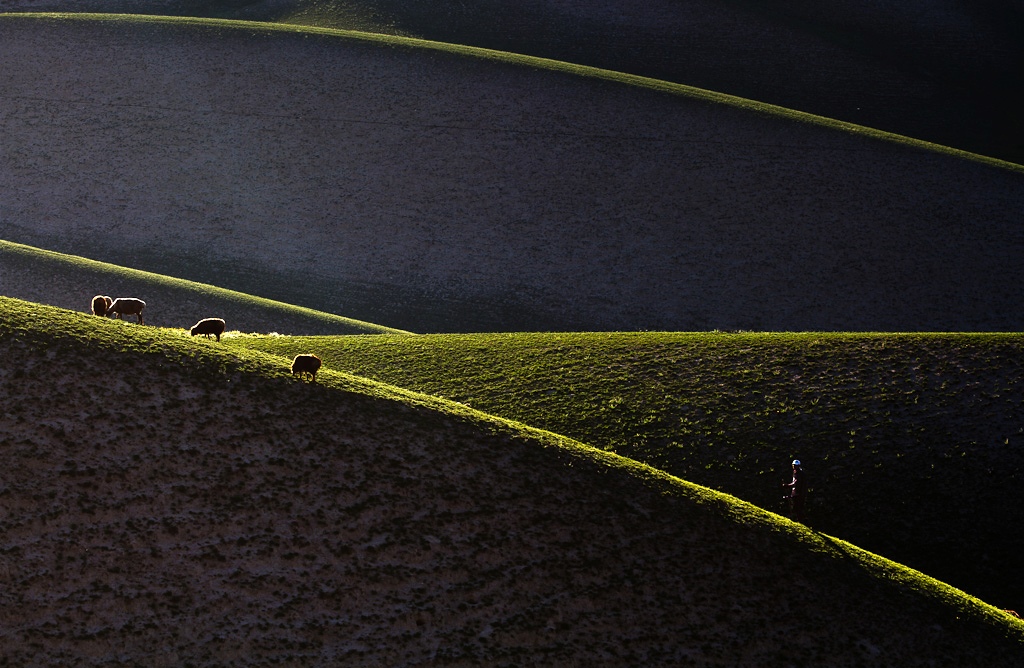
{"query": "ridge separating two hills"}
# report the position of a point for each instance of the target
(47, 331)
(701, 303)
(92, 275)
(339, 353)
(893, 427)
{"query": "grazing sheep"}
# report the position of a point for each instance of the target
(208, 326)
(127, 306)
(306, 364)
(101, 304)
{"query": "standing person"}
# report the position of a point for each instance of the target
(798, 491)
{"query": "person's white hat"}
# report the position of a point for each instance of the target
(796, 462)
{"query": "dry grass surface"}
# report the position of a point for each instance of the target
(430, 191)
(167, 503)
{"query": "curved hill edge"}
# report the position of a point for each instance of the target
(891, 426)
(323, 548)
(548, 64)
(36, 282)
(53, 324)
(735, 219)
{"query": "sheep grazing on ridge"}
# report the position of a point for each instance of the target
(123, 306)
(306, 364)
(208, 326)
(101, 304)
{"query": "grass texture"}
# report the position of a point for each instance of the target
(238, 514)
(71, 281)
(397, 41)
(911, 441)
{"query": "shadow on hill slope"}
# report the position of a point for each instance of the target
(238, 517)
(431, 191)
(913, 443)
(71, 282)
(942, 72)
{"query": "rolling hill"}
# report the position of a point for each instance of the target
(434, 188)
(912, 442)
(940, 71)
(70, 282)
(893, 426)
(169, 501)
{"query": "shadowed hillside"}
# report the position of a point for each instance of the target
(429, 190)
(71, 282)
(239, 517)
(940, 71)
(911, 442)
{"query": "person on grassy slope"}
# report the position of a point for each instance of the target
(797, 491)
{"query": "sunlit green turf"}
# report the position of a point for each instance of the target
(892, 427)
(51, 268)
(42, 332)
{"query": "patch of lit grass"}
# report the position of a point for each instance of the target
(893, 427)
(41, 331)
(72, 269)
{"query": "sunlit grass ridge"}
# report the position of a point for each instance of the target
(57, 352)
(161, 291)
(893, 427)
(44, 326)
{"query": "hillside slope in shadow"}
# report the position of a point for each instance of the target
(432, 191)
(71, 282)
(944, 72)
(216, 529)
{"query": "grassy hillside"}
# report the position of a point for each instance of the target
(912, 442)
(172, 501)
(71, 282)
(932, 70)
(430, 187)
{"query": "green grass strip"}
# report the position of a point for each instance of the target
(35, 259)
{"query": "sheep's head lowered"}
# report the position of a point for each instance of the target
(127, 306)
(208, 326)
(304, 365)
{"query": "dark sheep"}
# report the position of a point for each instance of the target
(123, 306)
(101, 304)
(208, 326)
(306, 364)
